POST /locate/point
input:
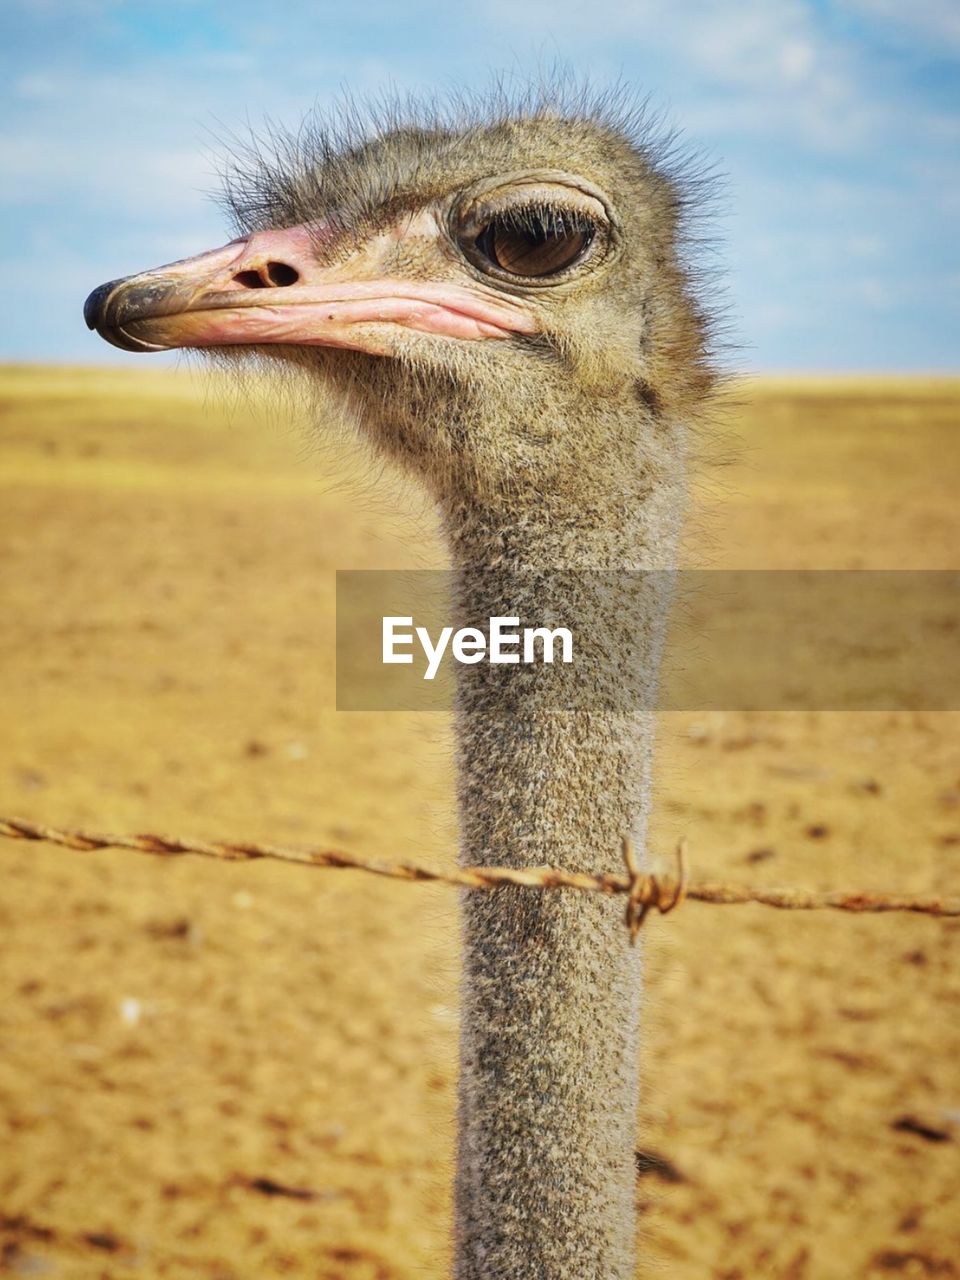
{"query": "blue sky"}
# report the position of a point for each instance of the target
(837, 125)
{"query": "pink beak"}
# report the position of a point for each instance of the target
(269, 288)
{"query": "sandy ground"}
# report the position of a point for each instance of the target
(232, 1072)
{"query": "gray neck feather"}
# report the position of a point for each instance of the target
(551, 986)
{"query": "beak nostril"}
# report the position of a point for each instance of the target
(276, 274)
(281, 274)
(250, 280)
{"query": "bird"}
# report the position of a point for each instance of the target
(502, 293)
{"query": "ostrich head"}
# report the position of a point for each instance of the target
(470, 291)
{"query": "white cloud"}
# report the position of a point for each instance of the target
(37, 88)
(875, 293)
(932, 23)
(754, 68)
(132, 175)
(865, 246)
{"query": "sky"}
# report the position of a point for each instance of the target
(835, 125)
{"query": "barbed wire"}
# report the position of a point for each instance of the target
(645, 890)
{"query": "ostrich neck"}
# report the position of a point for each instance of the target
(551, 987)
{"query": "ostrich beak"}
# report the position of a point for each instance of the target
(269, 288)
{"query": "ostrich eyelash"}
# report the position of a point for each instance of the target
(544, 219)
(532, 241)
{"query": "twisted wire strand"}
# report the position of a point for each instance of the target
(646, 891)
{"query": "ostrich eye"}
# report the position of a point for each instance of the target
(534, 242)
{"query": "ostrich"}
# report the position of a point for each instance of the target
(499, 300)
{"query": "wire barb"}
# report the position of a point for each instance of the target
(645, 891)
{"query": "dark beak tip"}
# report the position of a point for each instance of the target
(93, 308)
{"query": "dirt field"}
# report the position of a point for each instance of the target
(239, 1072)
